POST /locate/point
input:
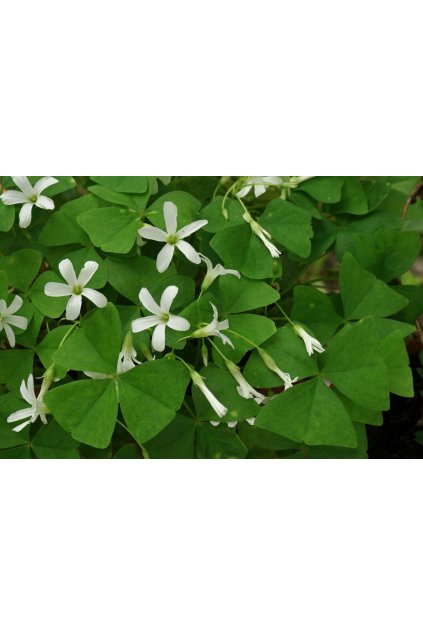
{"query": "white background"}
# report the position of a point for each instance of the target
(210, 88)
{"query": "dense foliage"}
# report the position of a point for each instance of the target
(202, 316)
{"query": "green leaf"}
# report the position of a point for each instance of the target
(177, 440)
(387, 253)
(363, 294)
(239, 295)
(15, 365)
(253, 436)
(110, 196)
(130, 275)
(309, 412)
(254, 327)
(113, 229)
(384, 327)
(22, 453)
(289, 225)
(21, 267)
(353, 362)
(360, 414)
(62, 226)
(7, 216)
(48, 306)
(4, 286)
(354, 199)
(414, 308)
(396, 358)
(127, 452)
(95, 346)
(87, 409)
(219, 442)
(223, 386)
(290, 355)
(9, 403)
(316, 310)
(51, 441)
(65, 183)
(325, 189)
(49, 345)
(150, 395)
(216, 220)
(188, 208)
(123, 184)
(240, 249)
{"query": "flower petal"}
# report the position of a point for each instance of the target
(259, 190)
(10, 335)
(143, 323)
(21, 426)
(25, 215)
(167, 298)
(20, 414)
(164, 257)
(68, 272)
(244, 191)
(152, 233)
(44, 203)
(191, 228)
(87, 272)
(189, 252)
(19, 322)
(225, 340)
(15, 305)
(170, 212)
(57, 289)
(27, 391)
(73, 307)
(178, 323)
(13, 198)
(43, 183)
(149, 303)
(24, 185)
(158, 340)
(95, 297)
(3, 307)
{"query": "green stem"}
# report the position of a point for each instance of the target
(219, 351)
(71, 329)
(284, 313)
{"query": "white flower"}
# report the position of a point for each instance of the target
(75, 287)
(270, 363)
(264, 235)
(160, 317)
(198, 380)
(172, 237)
(8, 319)
(311, 344)
(214, 271)
(30, 196)
(244, 389)
(213, 328)
(260, 184)
(127, 356)
(37, 409)
(232, 423)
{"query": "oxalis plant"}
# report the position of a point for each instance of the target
(182, 317)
